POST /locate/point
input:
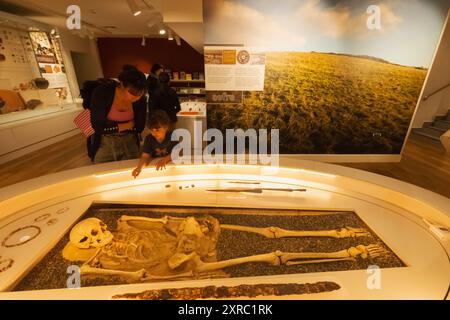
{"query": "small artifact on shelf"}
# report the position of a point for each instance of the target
(61, 93)
(30, 85)
(2, 104)
(188, 76)
(33, 103)
(41, 83)
(195, 76)
(201, 76)
(176, 76)
(11, 101)
(182, 75)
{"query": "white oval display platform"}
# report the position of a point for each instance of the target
(35, 215)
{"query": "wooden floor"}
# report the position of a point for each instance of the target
(423, 163)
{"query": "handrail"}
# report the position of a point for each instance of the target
(432, 94)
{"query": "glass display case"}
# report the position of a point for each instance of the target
(33, 79)
(311, 231)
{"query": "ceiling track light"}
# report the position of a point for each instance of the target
(170, 36)
(162, 31)
(178, 40)
(143, 41)
(134, 8)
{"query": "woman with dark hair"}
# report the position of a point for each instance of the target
(129, 67)
(118, 114)
(166, 98)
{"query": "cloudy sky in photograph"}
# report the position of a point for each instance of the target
(409, 34)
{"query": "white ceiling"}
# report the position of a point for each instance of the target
(184, 17)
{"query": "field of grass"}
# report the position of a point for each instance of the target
(328, 103)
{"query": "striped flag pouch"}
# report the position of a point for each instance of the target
(83, 122)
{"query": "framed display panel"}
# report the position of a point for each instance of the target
(337, 89)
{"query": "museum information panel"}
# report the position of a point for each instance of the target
(234, 69)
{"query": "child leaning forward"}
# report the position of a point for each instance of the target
(157, 144)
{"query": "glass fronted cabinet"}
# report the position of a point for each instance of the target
(33, 79)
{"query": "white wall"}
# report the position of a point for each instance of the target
(438, 77)
(70, 42)
(445, 101)
(85, 67)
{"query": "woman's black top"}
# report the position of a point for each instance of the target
(101, 102)
(152, 83)
(166, 98)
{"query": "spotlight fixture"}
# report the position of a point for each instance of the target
(143, 41)
(134, 8)
(178, 40)
(162, 31)
(170, 36)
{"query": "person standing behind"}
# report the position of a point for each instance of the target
(153, 81)
(166, 98)
(118, 114)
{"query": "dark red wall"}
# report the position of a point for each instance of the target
(115, 52)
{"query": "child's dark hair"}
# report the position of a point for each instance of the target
(158, 119)
(133, 79)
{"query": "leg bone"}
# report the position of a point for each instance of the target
(370, 251)
(275, 232)
(270, 258)
(201, 267)
(294, 263)
(278, 257)
(163, 220)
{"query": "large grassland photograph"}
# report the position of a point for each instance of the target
(332, 84)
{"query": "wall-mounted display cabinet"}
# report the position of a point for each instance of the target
(32, 72)
(34, 87)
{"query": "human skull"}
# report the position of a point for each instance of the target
(90, 233)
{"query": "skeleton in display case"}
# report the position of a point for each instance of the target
(149, 249)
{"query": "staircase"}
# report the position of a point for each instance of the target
(434, 130)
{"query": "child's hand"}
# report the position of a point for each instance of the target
(136, 172)
(161, 164)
